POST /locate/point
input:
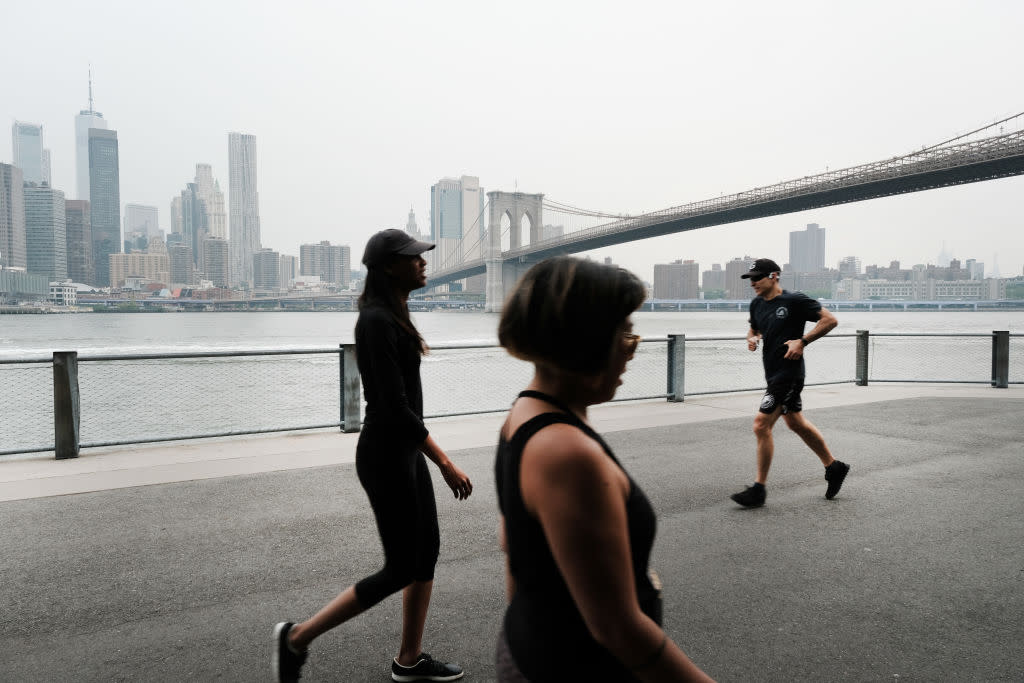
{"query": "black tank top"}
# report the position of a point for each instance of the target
(546, 633)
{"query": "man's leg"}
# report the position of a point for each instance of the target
(754, 496)
(763, 424)
(810, 435)
(835, 470)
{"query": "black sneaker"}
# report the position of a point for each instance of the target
(287, 665)
(752, 497)
(426, 668)
(834, 475)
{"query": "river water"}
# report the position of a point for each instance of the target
(148, 399)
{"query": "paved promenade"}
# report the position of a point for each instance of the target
(172, 562)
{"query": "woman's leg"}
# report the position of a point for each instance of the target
(336, 612)
(415, 602)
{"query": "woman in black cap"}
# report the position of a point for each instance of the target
(391, 467)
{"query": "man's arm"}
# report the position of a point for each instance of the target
(826, 323)
(753, 337)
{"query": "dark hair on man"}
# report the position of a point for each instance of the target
(379, 290)
(567, 311)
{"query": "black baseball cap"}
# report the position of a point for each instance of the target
(761, 267)
(387, 243)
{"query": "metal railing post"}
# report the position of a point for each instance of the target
(351, 406)
(676, 367)
(861, 373)
(66, 406)
(1000, 359)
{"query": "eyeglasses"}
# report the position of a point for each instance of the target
(631, 341)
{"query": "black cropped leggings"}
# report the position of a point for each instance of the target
(397, 481)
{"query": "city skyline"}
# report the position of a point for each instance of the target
(346, 119)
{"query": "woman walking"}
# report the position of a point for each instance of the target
(391, 468)
(576, 529)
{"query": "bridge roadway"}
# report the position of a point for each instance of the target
(171, 563)
(1000, 156)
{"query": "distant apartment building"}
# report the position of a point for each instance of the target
(921, 290)
(192, 222)
(78, 237)
(266, 269)
(289, 269)
(47, 167)
(140, 224)
(27, 144)
(552, 232)
(12, 218)
(104, 201)
(676, 280)
(714, 279)
(975, 269)
(139, 265)
(181, 264)
(45, 231)
(332, 263)
(735, 286)
(807, 249)
(243, 207)
(849, 266)
(216, 255)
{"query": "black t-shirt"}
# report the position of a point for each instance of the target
(779, 321)
(389, 364)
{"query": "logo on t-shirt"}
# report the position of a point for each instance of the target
(781, 313)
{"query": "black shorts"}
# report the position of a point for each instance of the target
(783, 392)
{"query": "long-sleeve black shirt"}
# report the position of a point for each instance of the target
(389, 365)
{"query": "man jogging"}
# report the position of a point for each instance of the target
(777, 319)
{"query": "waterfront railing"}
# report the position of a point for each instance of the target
(68, 401)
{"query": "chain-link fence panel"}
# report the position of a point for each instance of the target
(930, 358)
(26, 406)
(1017, 359)
(466, 381)
(724, 364)
(151, 399)
(469, 380)
(647, 373)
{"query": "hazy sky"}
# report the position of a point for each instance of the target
(622, 107)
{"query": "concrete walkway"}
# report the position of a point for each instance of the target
(172, 562)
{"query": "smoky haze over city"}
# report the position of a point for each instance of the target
(356, 112)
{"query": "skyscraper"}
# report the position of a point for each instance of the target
(194, 222)
(27, 143)
(47, 176)
(140, 225)
(243, 207)
(807, 250)
(12, 218)
(209, 191)
(78, 234)
(86, 119)
(457, 223)
(45, 236)
(104, 201)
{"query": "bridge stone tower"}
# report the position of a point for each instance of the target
(502, 276)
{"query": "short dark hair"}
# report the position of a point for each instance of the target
(566, 311)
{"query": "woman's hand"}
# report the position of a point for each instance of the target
(456, 480)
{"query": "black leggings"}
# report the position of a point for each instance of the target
(397, 481)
